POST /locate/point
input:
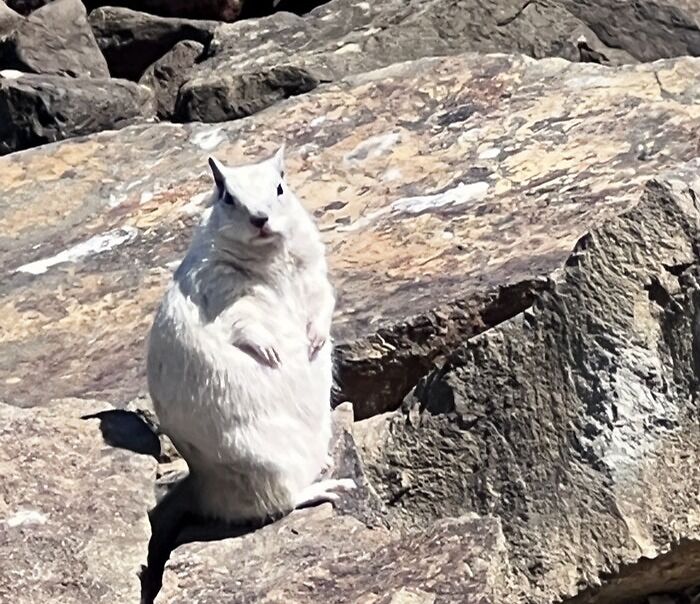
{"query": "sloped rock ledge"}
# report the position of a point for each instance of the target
(381, 369)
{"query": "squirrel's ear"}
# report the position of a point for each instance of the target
(217, 170)
(279, 159)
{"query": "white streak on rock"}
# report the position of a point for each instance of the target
(95, 245)
(459, 195)
(375, 146)
(194, 205)
(209, 139)
(11, 74)
(25, 517)
(489, 153)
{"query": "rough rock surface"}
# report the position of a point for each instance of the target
(576, 422)
(132, 40)
(73, 525)
(218, 10)
(55, 39)
(238, 95)
(167, 74)
(444, 188)
(343, 37)
(39, 109)
(314, 556)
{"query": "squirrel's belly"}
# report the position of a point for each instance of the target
(263, 426)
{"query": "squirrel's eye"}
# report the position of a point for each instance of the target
(280, 191)
(228, 199)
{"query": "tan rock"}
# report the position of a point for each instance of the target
(314, 556)
(444, 188)
(73, 525)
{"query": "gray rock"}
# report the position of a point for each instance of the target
(73, 525)
(575, 422)
(343, 37)
(168, 73)
(132, 40)
(55, 39)
(38, 109)
(9, 20)
(239, 95)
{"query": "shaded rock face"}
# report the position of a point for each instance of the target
(263, 8)
(168, 73)
(576, 422)
(219, 10)
(55, 39)
(38, 109)
(132, 40)
(647, 30)
(24, 7)
(661, 580)
(72, 511)
(237, 96)
(444, 188)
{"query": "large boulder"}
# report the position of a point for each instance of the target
(575, 422)
(445, 189)
(39, 109)
(73, 525)
(167, 74)
(342, 37)
(132, 40)
(55, 39)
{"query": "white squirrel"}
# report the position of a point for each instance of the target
(239, 360)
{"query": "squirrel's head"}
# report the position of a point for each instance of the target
(249, 201)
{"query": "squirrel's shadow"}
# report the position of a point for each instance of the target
(128, 430)
(172, 522)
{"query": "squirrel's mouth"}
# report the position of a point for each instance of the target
(265, 233)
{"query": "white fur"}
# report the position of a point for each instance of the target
(255, 433)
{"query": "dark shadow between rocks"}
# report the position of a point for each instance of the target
(671, 577)
(174, 524)
(264, 8)
(128, 430)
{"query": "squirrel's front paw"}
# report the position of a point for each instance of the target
(317, 339)
(262, 350)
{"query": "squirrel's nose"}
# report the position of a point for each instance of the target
(258, 221)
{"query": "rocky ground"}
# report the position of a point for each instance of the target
(509, 192)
